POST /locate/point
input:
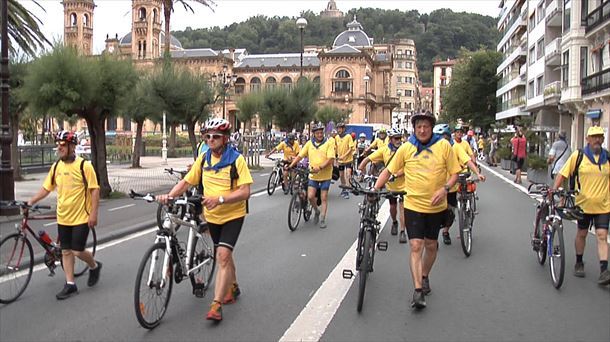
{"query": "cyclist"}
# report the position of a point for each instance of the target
(321, 154)
(384, 155)
(203, 146)
(225, 205)
(426, 159)
(290, 147)
(381, 140)
(458, 134)
(361, 146)
(77, 208)
(593, 182)
(466, 162)
(345, 156)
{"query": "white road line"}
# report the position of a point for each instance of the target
(265, 192)
(264, 174)
(122, 207)
(313, 320)
(49, 224)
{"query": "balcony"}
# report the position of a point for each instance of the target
(70, 30)
(597, 17)
(552, 93)
(523, 42)
(87, 31)
(552, 52)
(140, 26)
(388, 101)
(404, 56)
(596, 82)
(553, 13)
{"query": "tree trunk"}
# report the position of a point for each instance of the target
(192, 137)
(171, 149)
(135, 157)
(98, 152)
(167, 12)
(14, 148)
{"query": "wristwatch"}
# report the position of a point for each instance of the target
(446, 187)
(221, 200)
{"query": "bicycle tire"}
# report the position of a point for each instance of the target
(538, 234)
(307, 209)
(18, 243)
(139, 306)
(80, 267)
(365, 266)
(558, 252)
(465, 231)
(271, 182)
(294, 212)
(161, 212)
(201, 252)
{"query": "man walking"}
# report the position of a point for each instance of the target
(558, 155)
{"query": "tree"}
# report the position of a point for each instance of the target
(168, 9)
(471, 95)
(327, 114)
(17, 107)
(302, 103)
(61, 81)
(24, 29)
(274, 105)
(249, 105)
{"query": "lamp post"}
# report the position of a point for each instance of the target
(164, 149)
(226, 80)
(301, 24)
(7, 183)
(366, 80)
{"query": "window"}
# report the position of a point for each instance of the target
(567, 8)
(142, 14)
(287, 82)
(540, 47)
(531, 55)
(270, 83)
(443, 71)
(409, 52)
(540, 12)
(255, 84)
(86, 20)
(410, 80)
(342, 82)
(398, 79)
(539, 85)
(111, 124)
(399, 93)
(126, 124)
(240, 85)
(583, 62)
(584, 12)
(532, 22)
(399, 65)
(409, 65)
(565, 69)
(530, 89)
(409, 93)
(73, 19)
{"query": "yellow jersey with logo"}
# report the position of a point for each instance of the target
(425, 173)
(378, 143)
(345, 149)
(73, 205)
(318, 156)
(289, 151)
(594, 195)
(462, 158)
(465, 146)
(219, 184)
(383, 155)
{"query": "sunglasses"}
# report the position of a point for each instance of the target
(213, 136)
(397, 138)
(61, 143)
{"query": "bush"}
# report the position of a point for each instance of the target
(182, 140)
(536, 162)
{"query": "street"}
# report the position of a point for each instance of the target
(500, 293)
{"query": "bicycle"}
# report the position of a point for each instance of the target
(169, 260)
(547, 238)
(299, 204)
(466, 210)
(17, 255)
(276, 177)
(367, 234)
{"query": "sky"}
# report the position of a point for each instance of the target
(114, 16)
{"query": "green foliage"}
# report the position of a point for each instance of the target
(275, 105)
(327, 114)
(24, 30)
(302, 104)
(504, 149)
(249, 105)
(536, 162)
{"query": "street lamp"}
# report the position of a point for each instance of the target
(7, 182)
(366, 80)
(227, 80)
(301, 23)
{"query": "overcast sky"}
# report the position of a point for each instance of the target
(114, 16)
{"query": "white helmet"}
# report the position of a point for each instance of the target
(362, 135)
(393, 132)
(221, 125)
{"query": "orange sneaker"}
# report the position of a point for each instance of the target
(232, 295)
(215, 313)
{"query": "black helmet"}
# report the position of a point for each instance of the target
(423, 115)
(290, 136)
(317, 127)
(341, 124)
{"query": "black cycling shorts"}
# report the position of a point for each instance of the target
(452, 199)
(600, 221)
(395, 199)
(226, 234)
(73, 237)
(424, 225)
(519, 162)
(342, 167)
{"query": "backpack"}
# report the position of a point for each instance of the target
(574, 177)
(233, 175)
(82, 172)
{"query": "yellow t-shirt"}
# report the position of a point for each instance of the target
(465, 146)
(383, 155)
(593, 196)
(378, 143)
(345, 149)
(425, 174)
(462, 158)
(289, 151)
(481, 144)
(219, 184)
(318, 156)
(73, 207)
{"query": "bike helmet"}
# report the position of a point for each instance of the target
(341, 124)
(393, 132)
(317, 127)
(442, 129)
(353, 135)
(424, 115)
(382, 131)
(570, 213)
(67, 136)
(470, 133)
(221, 125)
(290, 137)
(362, 135)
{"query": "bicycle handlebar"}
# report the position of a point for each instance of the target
(171, 171)
(543, 188)
(22, 205)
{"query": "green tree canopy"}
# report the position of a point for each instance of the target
(327, 114)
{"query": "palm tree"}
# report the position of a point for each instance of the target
(24, 29)
(168, 8)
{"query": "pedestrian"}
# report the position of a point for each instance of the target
(493, 148)
(226, 183)
(519, 144)
(345, 156)
(426, 160)
(78, 196)
(590, 168)
(558, 155)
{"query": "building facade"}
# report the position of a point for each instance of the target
(442, 73)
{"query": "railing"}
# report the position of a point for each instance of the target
(518, 102)
(87, 31)
(554, 47)
(142, 25)
(507, 79)
(552, 89)
(71, 30)
(598, 16)
(596, 82)
(36, 156)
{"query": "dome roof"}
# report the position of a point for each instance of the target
(353, 36)
(126, 40)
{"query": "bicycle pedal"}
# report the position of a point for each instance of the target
(348, 274)
(382, 246)
(51, 273)
(199, 292)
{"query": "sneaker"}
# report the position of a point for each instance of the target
(579, 270)
(346, 195)
(604, 278)
(215, 313)
(446, 238)
(323, 223)
(394, 230)
(418, 301)
(425, 286)
(94, 275)
(67, 291)
(316, 216)
(403, 237)
(231, 297)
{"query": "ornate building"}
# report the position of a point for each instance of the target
(78, 24)
(331, 11)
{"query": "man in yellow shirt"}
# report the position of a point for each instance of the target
(458, 134)
(78, 197)
(593, 185)
(321, 154)
(345, 156)
(290, 148)
(384, 155)
(381, 140)
(426, 160)
(224, 202)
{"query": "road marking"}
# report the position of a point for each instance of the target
(264, 192)
(122, 207)
(49, 224)
(313, 320)
(264, 174)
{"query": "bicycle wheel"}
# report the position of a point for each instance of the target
(153, 287)
(16, 266)
(80, 267)
(307, 209)
(557, 261)
(465, 228)
(272, 182)
(203, 261)
(539, 236)
(294, 212)
(164, 210)
(365, 266)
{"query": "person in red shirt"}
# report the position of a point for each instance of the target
(519, 152)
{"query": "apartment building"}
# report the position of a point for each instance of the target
(442, 72)
(405, 78)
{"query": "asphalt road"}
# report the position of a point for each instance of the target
(500, 293)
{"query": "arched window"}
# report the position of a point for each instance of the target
(86, 20)
(287, 82)
(142, 14)
(155, 15)
(342, 82)
(342, 74)
(316, 79)
(73, 19)
(240, 85)
(255, 84)
(270, 82)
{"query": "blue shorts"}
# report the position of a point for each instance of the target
(319, 185)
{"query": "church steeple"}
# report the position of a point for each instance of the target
(145, 28)
(331, 11)
(78, 24)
